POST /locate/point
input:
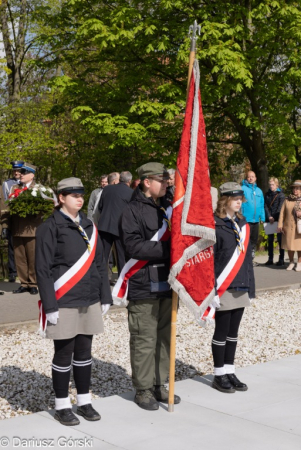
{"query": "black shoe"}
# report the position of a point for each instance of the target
(33, 291)
(161, 395)
(66, 417)
(222, 384)
(145, 399)
(269, 262)
(20, 290)
(238, 385)
(280, 262)
(88, 412)
(12, 278)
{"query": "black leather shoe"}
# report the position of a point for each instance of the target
(238, 385)
(280, 262)
(33, 291)
(269, 262)
(161, 395)
(88, 412)
(12, 278)
(222, 384)
(66, 417)
(20, 290)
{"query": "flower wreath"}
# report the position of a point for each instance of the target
(27, 201)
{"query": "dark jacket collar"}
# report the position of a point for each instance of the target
(219, 222)
(140, 197)
(62, 219)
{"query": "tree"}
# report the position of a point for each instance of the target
(124, 74)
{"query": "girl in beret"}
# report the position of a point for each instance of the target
(234, 284)
(75, 293)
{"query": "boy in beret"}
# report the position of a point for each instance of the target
(149, 294)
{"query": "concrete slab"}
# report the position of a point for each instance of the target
(31, 431)
(236, 404)
(283, 416)
(287, 369)
(266, 417)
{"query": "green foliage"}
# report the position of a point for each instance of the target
(118, 75)
(31, 203)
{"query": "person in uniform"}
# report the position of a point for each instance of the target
(149, 294)
(15, 179)
(74, 296)
(23, 230)
(234, 281)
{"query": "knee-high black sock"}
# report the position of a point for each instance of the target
(231, 344)
(218, 352)
(60, 379)
(82, 363)
(82, 375)
(61, 366)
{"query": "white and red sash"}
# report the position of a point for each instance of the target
(70, 278)
(225, 279)
(120, 290)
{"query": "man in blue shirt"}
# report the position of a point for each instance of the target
(253, 208)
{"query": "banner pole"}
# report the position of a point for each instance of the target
(172, 363)
(193, 29)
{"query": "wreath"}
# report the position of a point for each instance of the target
(38, 200)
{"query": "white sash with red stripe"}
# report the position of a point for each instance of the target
(70, 278)
(229, 273)
(120, 290)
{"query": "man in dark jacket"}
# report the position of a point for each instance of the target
(149, 294)
(273, 200)
(113, 200)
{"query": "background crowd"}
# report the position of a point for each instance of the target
(278, 213)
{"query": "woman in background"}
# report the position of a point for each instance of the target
(273, 200)
(287, 225)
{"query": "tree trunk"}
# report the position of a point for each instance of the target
(257, 157)
(14, 53)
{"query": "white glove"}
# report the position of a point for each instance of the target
(215, 302)
(105, 308)
(52, 317)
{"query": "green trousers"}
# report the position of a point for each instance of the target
(149, 326)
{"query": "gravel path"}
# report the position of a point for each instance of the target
(270, 330)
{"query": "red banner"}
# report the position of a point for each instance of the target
(193, 233)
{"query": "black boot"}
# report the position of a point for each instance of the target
(238, 385)
(222, 384)
(161, 395)
(269, 262)
(280, 262)
(66, 417)
(88, 412)
(146, 400)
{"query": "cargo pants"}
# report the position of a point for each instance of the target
(149, 326)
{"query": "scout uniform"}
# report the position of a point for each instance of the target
(149, 294)
(75, 293)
